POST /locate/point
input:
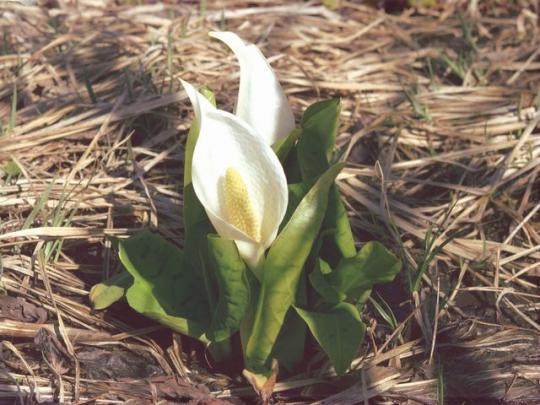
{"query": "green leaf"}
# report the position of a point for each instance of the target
(297, 192)
(164, 287)
(289, 347)
(106, 293)
(282, 269)
(233, 288)
(315, 146)
(373, 264)
(247, 322)
(196, 223)
(384, 310)
(208, 94)
(321, 285)
(314, 152)
(339, 331)
(292, 167)
(336, 226)
(291, 341)
(284, 146)
(338, 220)
(11, 168)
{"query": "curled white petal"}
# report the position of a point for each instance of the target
(261, 100)
(224, 142)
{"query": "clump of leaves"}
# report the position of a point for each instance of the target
(269, 252)
(312, 278)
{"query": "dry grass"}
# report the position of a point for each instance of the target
(440, 132)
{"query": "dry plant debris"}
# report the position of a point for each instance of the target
(441, 137)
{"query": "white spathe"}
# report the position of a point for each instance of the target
(226, 142)
(261, 101)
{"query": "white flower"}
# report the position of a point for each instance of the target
(235, 173)
(261, 101)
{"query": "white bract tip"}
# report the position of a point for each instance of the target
(261, 101)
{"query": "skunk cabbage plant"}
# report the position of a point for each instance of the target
(268, 250)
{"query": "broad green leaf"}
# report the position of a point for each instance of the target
(373, 264)
(292, 168)
(196, 228)
(164, 287)
(315, 146)
(233, 298)
(291, 341)
(282, 269)
(246, 325)
(106, 293)
(284, 146)
(320, 284)
(339, 331)
(297, 191)
(338, 220)
(314, 152)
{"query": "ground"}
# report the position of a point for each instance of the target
(440, 114)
